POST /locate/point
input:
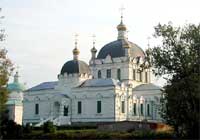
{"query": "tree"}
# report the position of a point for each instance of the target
(178, 56)
(6, 67)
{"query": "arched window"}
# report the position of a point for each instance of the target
(98, 106)
(141, 109)
(118, 74)
(134, 76)
(108, 73)
(123, 107)
(134, 108)
(36, 109)
(148, 110)
(66, 110)
(140, 73)
(99, 73)
(146, 77)
(79, 107)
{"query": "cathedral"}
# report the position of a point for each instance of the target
(111, 88)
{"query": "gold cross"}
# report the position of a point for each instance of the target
(121, 10)
(93, 36)
(148, 39)
(76, 39)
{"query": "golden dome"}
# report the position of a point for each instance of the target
(76, 51)
(121, 27)
(94, 50)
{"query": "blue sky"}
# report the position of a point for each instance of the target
(40, 33)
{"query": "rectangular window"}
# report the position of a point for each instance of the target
(141, 109)
(36, 109)
(146, 77)
(98, 106)
(65, 111)
(134, 76)
(134, 108)
(118, 74)
(108, 73)
(123, 107)
(79, 107)
(148, 110)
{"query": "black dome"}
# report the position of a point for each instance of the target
(117, 49)
(75, 66)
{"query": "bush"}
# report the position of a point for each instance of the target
(28, 128)
(48, 127)
(11, 130)
(76, 127)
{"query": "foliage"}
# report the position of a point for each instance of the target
(95, 134)
(48, 127)
(76, 127)
(27, 128)
(6, 68)
(11, 130)
(179, 57)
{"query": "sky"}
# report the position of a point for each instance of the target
(40, 33)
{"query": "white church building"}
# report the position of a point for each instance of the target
(112, 88)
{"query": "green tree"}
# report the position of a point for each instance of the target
(6, 68)
(178, 56)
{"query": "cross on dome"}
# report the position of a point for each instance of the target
(76, 40)
(121, 10)
(122, 30)
(94, 39)
(94, 50)
(75, 50)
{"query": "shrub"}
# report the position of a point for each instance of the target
(48, 127)
(11, 130)
(28, 128)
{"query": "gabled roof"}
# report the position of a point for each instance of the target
(100, 83)
(147, 87)
(44, 86)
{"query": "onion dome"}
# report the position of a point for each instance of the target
(75, 66)
(93, 50)
(16, 86)
(119, 47)
(121, 27)
(76, 51)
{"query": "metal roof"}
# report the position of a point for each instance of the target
(117, 49)
(100, 83)
(15, 86)
(44, 86)
(147, 87)
(75, 66)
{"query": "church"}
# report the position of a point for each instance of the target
(111, 88)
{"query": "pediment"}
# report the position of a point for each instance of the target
(108, 59)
